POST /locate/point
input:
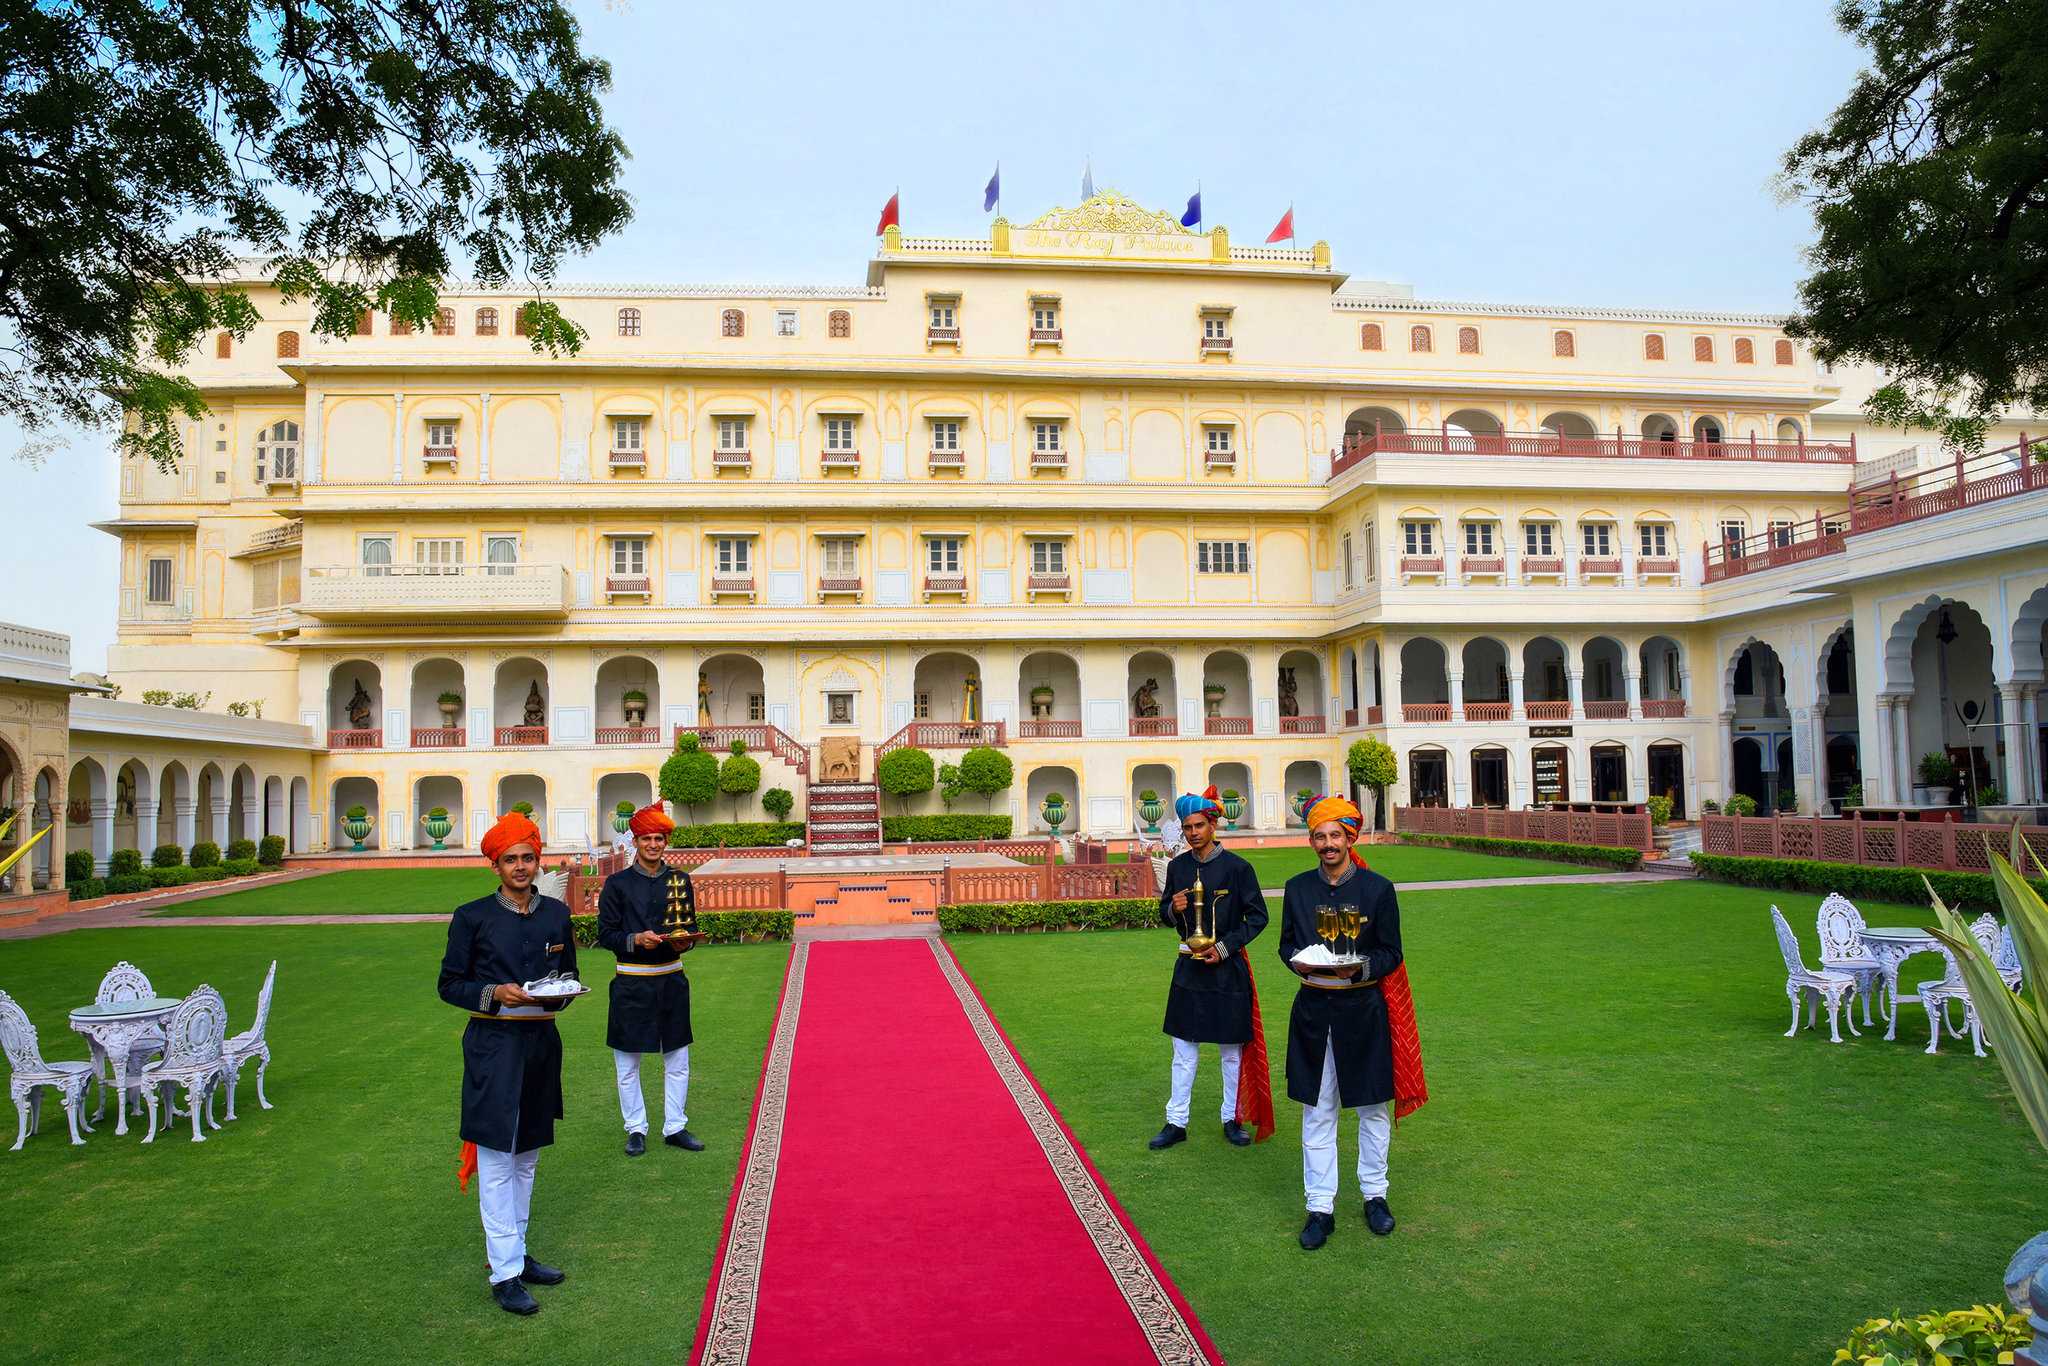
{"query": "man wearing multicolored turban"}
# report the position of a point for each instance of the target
(1351, 1037)
(1213, 895)
(511, 1053)
(650, 1004)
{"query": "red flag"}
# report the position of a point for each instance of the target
(889, 218)
(1283, 231)
(1255, 1075)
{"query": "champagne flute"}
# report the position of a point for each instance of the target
(1351, 919)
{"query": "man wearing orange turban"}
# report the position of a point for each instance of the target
(650, 1001)
(511, 1053)
(1351, 1037)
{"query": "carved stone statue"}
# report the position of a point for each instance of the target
(536, 705)
(1290, 701)
(359, 707)
(970, 703)
(839, 759)
(1145, 701)
(703, 699)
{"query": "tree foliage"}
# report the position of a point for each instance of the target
(161, 159)
(905, 772)
(986, 771)
(689, 777)
(1372, 763)
(738, 775)
(1929, 185)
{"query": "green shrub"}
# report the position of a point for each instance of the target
(905, 772)
(166, 856)
(778, 802)
(449, 699)
(689, 777)
(126, 884)
(933, 829)
(1593, 855)
(359, 812)
(1710, 807)
(986, 771)
(1936, 769)
(1148, 795)
(85, 888)
(271, 852)
(1983, 1334)
(1741, 804)
(724, 927)
(172, 877)
(1788, 802)
(1852, 798)
(624, 809)
(1991, 794)
(735, 835)
(1854, 881)
(205, 854)
(523, 808)
(240, 867)
(739, 775)
(212, 872)
(77, 865)
(124, 863)
(240, 849)
(1132, 913)
(1660, 812)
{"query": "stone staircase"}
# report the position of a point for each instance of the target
(1675, 863)
(844, 818)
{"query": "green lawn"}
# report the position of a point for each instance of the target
(1624, 1160)
(330, 1229)
(369, 891)
(1411, 863)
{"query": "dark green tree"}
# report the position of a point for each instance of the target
(905, 772)
(739, 775)
(162, 159)
(689, 778)
(986, 771)
(1929, 187)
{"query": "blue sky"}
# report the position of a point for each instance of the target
(1618, 154)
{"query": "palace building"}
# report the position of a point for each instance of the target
(1147, 509)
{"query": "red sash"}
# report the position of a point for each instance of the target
(1254, 1077)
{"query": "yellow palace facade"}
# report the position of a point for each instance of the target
(1147, 509)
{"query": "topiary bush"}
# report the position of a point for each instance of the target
(1855, 881)
(1660, 812)
(739, 776)
(1011, 917)
(986, 771)
(240, 867)
(906, 772)
(240, 849)
(124, 863)
(85, 888)
(205, 854)
(166, 856)
(689, 777)
(723, 927)
(77, 865)
(778, 802)
(174, 876)
(270, 853)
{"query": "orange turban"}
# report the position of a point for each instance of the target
(651, 820)
(1342, 811)
(512, 828)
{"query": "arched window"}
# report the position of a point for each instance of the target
(1789, 430)
(839, 324)
(363, 323)
(223, 345)
(1418, 338)
(732, 323)
(1653, 346)
(1706, 429)
(522, 321)
(1745, 351)
(1468, 341)
(1703, 348)
(287, 346)
(629, 322)
(1369, 338)
(1562, 343)
(277, 453)
(444, 322)
(400, 328)
(1784, 349)
(487, 322)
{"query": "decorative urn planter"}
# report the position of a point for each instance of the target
(1300, 805)
(622, 821)
(437, 830)
(1151, 810)
(1233, 807)
(1041, 702)
(356, 828)
(1054, 812)
(635, 705)
(1212, 699)
(449, 712)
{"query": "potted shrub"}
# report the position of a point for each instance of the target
(355, 823)
(1300, 804)
(635, 703)
(1233, 807)
(778, 802)
(1054, 810)
(451, 709)
(622, 817)
(1710, 807)
(1788, 802)
(1937, 774)
(1852, 799)
(1991, 794)
(1660, 821)
(1041, 700)
(1741, 804)
(438, 825)
(1151, 810)
(1212, 698)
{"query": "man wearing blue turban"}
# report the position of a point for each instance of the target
(1211, 999)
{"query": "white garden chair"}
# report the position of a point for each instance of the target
(250, 1044)
(32, 1074)
(192, 1058)
(1825, 984)
(1935, 996)
(2007, 958)
(1841, 949)
(126, 982)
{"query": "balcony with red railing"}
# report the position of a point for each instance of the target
(1663, 708)
(1443, 441)
(520, 735)
(732, 585)
(629, 735)
(839, 587)
(948, 336)
(1046, 336)
(439, 455)
(935, 585)
(628, 586)
(1600, 568)
(1226, 725)
(1481, 564)
(1302, 725)
(1824, 535)
(367, 737)
(1534, 566)
(1048, 460)
(1219, 460)
(1048, 728)
(1216, 346)
(1656, 566)
(741, 459)
(1547, 711)
(626, 460)
(1421, 713)
(1048, 583)
(1422, 564)
(839, 460)
(1489, 711)
(945, 735)
(1154, 727)
(439, 737)
(1606, 709)
(946, 460)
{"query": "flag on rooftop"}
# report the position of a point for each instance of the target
(890, 217)
(1194, 214)
(992, 193)
(1284, 229)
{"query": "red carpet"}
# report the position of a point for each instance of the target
(908, 1194)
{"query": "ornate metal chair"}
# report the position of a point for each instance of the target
(126, 982)
(1824, 984)
(1841, 949)
(2007, 958)
(32, 1074)
(1935, 996)
(192, 1058)
(250, 1044)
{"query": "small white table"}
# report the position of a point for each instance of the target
(1892, 945)
(112, 1030)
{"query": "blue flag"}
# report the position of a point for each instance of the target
(992, 194)
(1194, 213)
(1088, 181)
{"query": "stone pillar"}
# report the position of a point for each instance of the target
(2010, 729)
(1390, 658)
(102, 834)
(252, 815)
(2030, 740)
(1457, 696)
(1633, 683)
(182, 835)
(217, 819)
(1724, 758)
(1902, 756)
(145, 825)
(1516, 709)
(1575, 682)
(1802, 776)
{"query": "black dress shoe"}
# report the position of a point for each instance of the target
(1167, 1137)
(636, 1144)
(512, 1297)
(1238, 1135)
(540, 1273)
(1317, 1230)
(684, 1139)
(1378, 1217)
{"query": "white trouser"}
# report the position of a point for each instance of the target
(505, 1190)
(1319, 1143)
(675, 1090)
(1185, 1056)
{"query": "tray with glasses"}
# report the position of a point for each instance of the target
(554, 987)
(1337, 927)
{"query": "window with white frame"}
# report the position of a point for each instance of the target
(158, 590)
(441, 434)
(437, 554)
(277, 454)
(1734, 531)
(501, 553)
(1219, 440)
(839, 557)
(629, 557)
(944, 316)
(1479, 539)
(1418, 538)
(732, 433)
(734, 555)
(946, 436)
(1835, 526)
(839, 434)
(1654, 540)
(785, 322)
(1596, 540)
(1223, 557)
(1047, 437)
(942, 555)
(1539, 540)
(1781, 531)
(1045, 316)
(1372, 553)
(1048, 557)
(1344, 557)
(629, 434)
(375, 553)
(1215, 327)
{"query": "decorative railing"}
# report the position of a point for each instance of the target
(755, 736)
(1048, 583)
(1042, 336)
(1048, 460)
(1781, 545)
(1547, 711)
(949, 335)
(1607, 709)
(631, 460)
(1896, 843)
(1219, 460)
(1046, 728)
(390, 590)
(520, 735)
(946, 460)
(1216, 344)
(829, 586)
(1489, 711)
(366, 737)
(732, 583)
(840, 460)
(732, 459)
(439, 455)
(945, 583)
(1654, 565)
(1481, 564)
(629, 735)
(1422, 564)
(1154, 727)
(944, 735)
(1613, 829)
(1598, 565)
(628, 585)
(1422, 712)
(439, 737)
(1542, 564)
(1226, 725)
(1301, 725)
(1444, 441)
(1662, 708)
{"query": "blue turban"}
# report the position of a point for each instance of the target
(1188, 804)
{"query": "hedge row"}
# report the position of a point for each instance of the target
(1594, 855)
(1011, 917)
(897, 829)
(735, 835)
(1858, 883)
(117, 883)
(724, 927)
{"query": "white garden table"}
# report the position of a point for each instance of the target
(112, 1030)
(1892, 945)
